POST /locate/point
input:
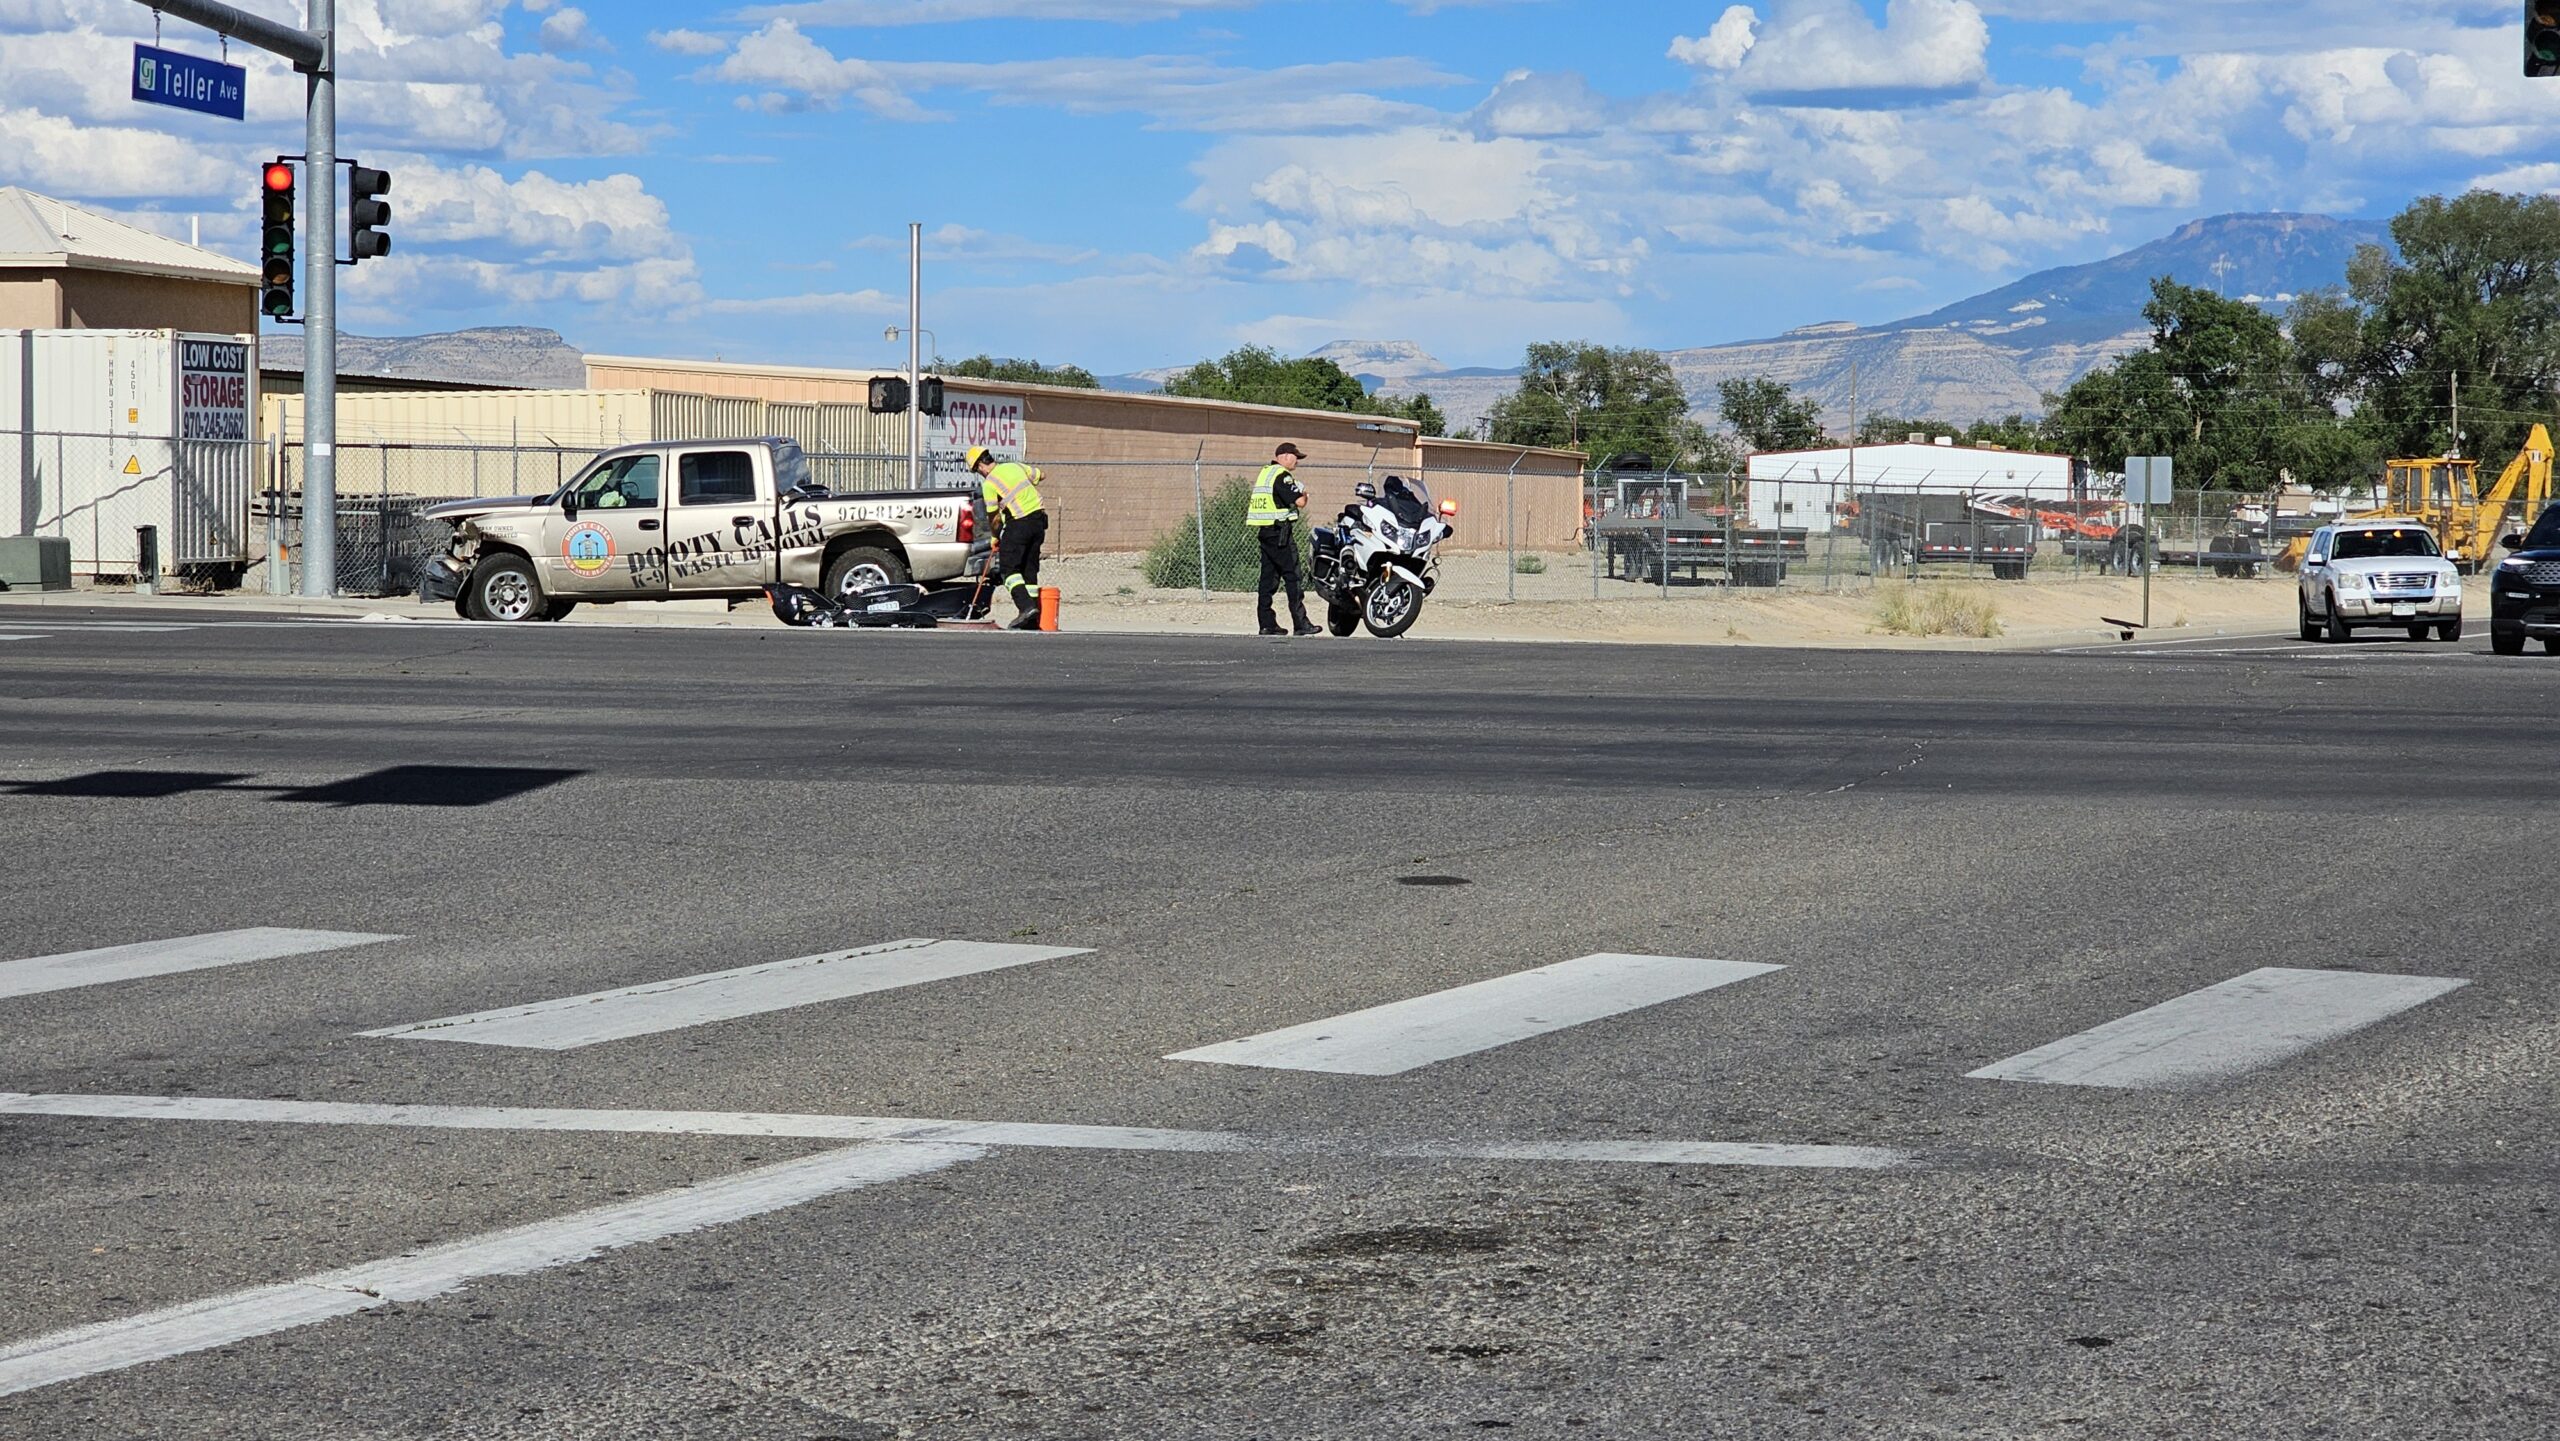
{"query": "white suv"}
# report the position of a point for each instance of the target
(2374, 573)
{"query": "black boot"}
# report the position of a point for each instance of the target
(1026, 612)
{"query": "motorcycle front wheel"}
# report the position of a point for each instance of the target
(1394, 603)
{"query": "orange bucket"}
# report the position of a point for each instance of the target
(1048, 607)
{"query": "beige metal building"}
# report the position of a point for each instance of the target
(1120, 468)
(66, 268)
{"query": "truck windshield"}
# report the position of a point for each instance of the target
(2397, 543)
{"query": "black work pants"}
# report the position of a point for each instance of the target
(1018, 557)
(1280, 564)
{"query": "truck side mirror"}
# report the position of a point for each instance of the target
(569, 504)
(2512, 541)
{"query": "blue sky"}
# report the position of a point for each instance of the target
(1137, 183)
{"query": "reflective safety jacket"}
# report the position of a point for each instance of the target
(1266, 508)
(1011, 490)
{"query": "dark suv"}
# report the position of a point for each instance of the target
(2524, 591)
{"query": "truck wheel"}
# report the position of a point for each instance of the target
(503, 588)
(863, 567)
(2507, 642)
(2449, 629)
(2417, 632)
(2338, 633)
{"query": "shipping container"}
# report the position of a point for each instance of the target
(542, 419)
(106, 431)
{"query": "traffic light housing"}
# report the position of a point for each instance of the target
(367, 213)
(929, 394)
(275, 241)
(2542, 39)
(888, 395)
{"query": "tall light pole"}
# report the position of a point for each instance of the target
(915, 356)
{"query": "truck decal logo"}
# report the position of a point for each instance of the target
(589, 550)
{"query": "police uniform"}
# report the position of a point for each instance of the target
(1272, 515)
(1011, 492)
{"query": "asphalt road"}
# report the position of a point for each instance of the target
(210, 1178)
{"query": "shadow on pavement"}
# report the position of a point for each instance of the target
(394, 786)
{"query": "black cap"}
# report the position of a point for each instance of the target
(1288, 447)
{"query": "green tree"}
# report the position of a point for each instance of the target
(1417, 408)
(1259, 375)
(1769, 415)
(2222, 391)
(1606, 403)
(2473, 294)
(1020, 372)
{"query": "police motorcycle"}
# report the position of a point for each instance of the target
(1376, 562)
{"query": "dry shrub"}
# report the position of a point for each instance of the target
(1938, 610)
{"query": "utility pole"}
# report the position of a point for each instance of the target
(915, 355)
(314, 53)
(2457, 413)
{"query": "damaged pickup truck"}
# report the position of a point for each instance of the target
(691, 520)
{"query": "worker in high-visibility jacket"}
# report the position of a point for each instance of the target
(1272, 515)
(1011, 491)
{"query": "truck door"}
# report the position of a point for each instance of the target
(611, 546)
(722, 520)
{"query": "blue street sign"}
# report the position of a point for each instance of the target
(165, 77)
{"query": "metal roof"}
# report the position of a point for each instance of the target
(40, 232)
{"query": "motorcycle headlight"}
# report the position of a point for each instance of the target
(1389, 533)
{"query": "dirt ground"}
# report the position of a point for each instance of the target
(1106, 593)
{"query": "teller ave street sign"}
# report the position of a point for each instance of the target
(189, 82)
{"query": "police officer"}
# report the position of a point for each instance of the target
(1012, 494)
(1273, 517)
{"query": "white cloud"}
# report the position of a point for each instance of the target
(1188, 92)
(838, 302)
(1829, 47)
(1725, 43)
(566, 29)
(916, 12)
(687, 42)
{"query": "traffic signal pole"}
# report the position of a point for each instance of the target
(314, 53)
(320, 317)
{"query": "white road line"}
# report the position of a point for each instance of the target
(573, 1021)
(919, 1129)
(426, 1274)
(1401, 1035)
(2222, 1031)
(2119, 646)
(162, 958)
(21, 637)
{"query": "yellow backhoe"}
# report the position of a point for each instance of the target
(2445, 494)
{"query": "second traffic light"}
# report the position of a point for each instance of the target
(275, 241)
(2542, 38)
(367, 213)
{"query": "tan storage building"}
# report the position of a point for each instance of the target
(1123, 467)
(66, 268)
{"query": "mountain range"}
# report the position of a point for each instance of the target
(1993, 354)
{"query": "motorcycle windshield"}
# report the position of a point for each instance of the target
(1408, 500)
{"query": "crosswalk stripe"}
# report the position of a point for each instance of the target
(2224, 1030)
(231, 1110)
(1403, 1035)
(161, 958)
(426, 1274)
(573, 1021)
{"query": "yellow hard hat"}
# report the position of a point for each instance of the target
(978, 453)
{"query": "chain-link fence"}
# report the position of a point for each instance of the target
(126, 501)
(1162, 528)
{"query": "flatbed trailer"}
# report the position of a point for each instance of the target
(1650, 533)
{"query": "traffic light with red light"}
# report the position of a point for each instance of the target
(2542, 38)
(367, 213)
(275, 241)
